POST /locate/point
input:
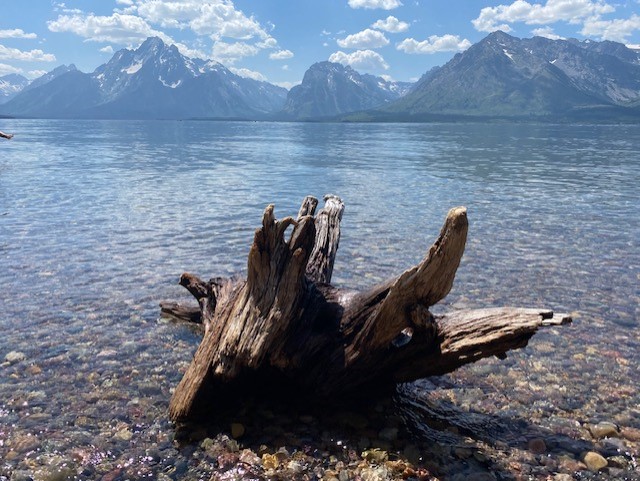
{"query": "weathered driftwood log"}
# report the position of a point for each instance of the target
(286, 322)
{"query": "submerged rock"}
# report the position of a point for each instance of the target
(594, 461)
(603, 430)
(237, 430)
(15, 356)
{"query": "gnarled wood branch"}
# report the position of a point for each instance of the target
(286, 321)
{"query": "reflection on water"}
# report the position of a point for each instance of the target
(98, 219)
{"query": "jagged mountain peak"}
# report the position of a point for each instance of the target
(151, 43)
(498, 36)
(537, 77)
(11, 85)
(152, 81)
(330, 89)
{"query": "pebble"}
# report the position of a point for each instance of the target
(463, 453)
(594, 461)
(562, 477)
(237, 430)
(21, 476)
(537, 446)
(269, 461)
(34, 370)
(603, 430)
(631, 434)
(618, 462)
(123, 435)
(15, 356)
(380, 473)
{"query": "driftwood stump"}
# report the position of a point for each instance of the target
(286, 322)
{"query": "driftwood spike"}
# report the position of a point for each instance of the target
(286, 322)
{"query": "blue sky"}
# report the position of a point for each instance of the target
(277, 40)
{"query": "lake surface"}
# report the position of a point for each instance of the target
(98, 219)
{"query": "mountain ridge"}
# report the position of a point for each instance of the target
(152, 81)
(500, 77)
(329, 89)
(538, 78)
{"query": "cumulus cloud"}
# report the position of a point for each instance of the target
(571, 11)
(546, 32)
(36, 73)
(190, 52)
(36, 55)
(383, 4)
(287, 85)
(246, 73)
(16, 33)
(230, 53)
(617, 29)
(366, 60)
(117, 28)
(391, 24)
(366, 39)
(107, 49)
(268, 43)
(218, 18)
(281, 55)
(8, 69)
(434, 44)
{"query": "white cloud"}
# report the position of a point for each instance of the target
(36, 73)
(287, 85)
(391, 24)
(434, 44)
(617, 30)
(571, 11)
(8, 69)
(383, 4)
(268, 43)
(367, 60)
(218, 18)
(16, 33)
(364, 40)
(37, 55)
(229, 53)
(107, 49)
(117, 28)
(281, 55)
(246, 73)
(546, 32)
(190, 52)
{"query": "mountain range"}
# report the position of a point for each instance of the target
(500, 77)
(329, 89)
(504, 76)
(153, 81)
(11, 85)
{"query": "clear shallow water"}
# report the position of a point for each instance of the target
(99, 219)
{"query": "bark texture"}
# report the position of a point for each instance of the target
(285, 321)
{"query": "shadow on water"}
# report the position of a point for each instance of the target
(411, 434)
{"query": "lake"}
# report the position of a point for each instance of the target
(98, 219)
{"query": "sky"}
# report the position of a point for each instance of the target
(278, 40)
